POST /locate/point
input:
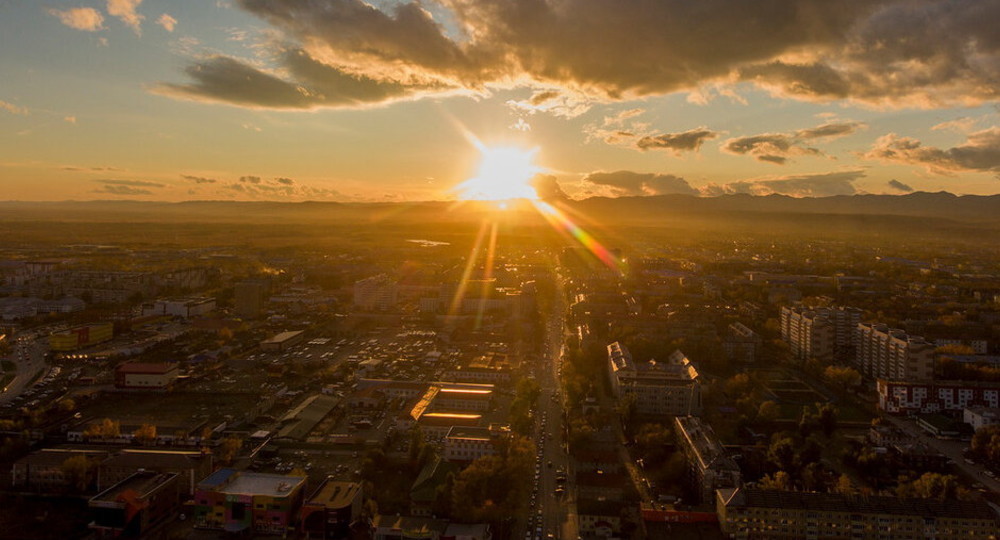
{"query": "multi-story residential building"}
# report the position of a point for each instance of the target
(136, 506)
(236, 501)
(741, 344)
(180, 307)
(709, 467)
(755, 513)
(909, 397)
(377, 293)
(250, 298)
(821, 333)
(331, 509)
(886, 353)
(670, 388)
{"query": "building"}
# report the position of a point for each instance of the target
(43, 472)
(467, 531)
(329, 512)
(886, 353)
(135, 506)
(980, 417)
(239, 501)
(180, 307)
(821, 333)
(599, 519)
(755, 513)
(655, 388)
(709, 467)
(395, 527)
(425, 488)
(467, 444)
(145, 376)
(189, 466)
(741, 344)
(911, 397)
(377, 293)
(283, 341)
(81, 336)
(250, 297)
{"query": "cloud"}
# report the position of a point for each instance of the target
(861, 50)
(555, 102)
(805, 185)
(285, 181)
(122, 190)
(167, 22)
(690, 140)
(979, 153)
(199, 179)
(778, 147)
(131, 183)
(13, 109)
(250, 179)
(520, 125)
(305, 84)
(79, 18)
(69, 119)
(629, 183)
(125, 11)
(960, 125)
(548, 188)
(899, 186)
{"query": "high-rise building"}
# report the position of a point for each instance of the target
(250, 298)
(710, 468)
(821, 333)
(377, 293)
(887, 353)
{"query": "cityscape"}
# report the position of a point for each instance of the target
(499, 270)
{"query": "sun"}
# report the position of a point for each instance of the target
(504, 173)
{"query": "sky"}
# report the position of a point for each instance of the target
(345, 100)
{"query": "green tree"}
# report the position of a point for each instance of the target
(78, 471)
(781, 453)
(105, 429)
(145, 434)
(768, 412)
(779, 481)
(842, 378)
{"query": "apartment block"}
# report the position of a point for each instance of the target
(669, 388)
(710, 468)
(887, 353)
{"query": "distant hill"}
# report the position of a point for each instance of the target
(966, 209)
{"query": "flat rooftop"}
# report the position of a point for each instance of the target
(233, 482)
(334, 494)
(142, 483)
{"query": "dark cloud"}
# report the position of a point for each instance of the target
(346, 53)
(778, 147)
(690, 140)
(629, 183)
(979, 153)
(199, 179)
(132, 183)
(548, 188)
(805, 185)
(250, 179)
(899, 186)
(122, 190)
(285, 181)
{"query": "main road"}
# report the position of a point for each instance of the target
(28, 354)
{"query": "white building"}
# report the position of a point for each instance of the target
(180, 307)
(980, 417)
(888, 353)
(377, 293)
(656, 388)
(467, 444)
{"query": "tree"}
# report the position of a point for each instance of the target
(105, 429)
(842, 378)
(781, 453)
(228, 449)
(845, 486)
(77, 470)
(986, 443)
(768, 412)
(779, 481)
(145, 434)
(827, 418)
(930, 486)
